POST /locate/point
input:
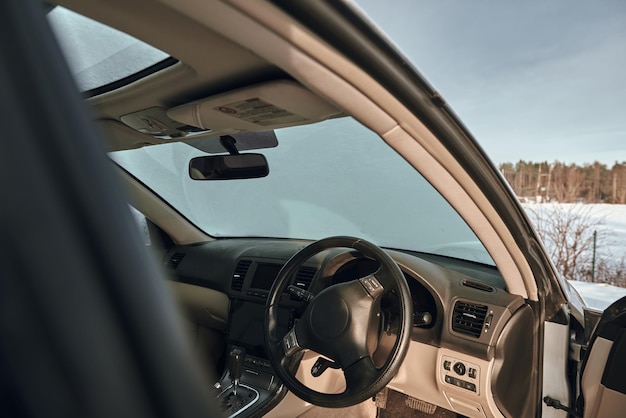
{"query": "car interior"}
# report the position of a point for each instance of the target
(322, 231)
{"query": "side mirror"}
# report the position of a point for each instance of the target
(228, 167)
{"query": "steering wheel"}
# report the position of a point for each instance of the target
(343, 323)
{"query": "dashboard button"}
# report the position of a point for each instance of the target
(459, 368)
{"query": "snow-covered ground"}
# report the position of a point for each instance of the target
(613, 220)
(610, 219)
(610, 222)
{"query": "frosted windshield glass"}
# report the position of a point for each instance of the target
(329, 178)
(98, 54)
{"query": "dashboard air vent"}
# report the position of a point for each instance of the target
(304, 277)
(477, 285)
(468, 318)
(240, 274)
(175, 260)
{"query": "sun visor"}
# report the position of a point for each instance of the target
(121, 137)
(260, 107)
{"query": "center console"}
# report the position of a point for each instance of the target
(249, 386)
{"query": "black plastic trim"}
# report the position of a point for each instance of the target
(613, 377)
(167, 62)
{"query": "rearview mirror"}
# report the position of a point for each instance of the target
(228, 167)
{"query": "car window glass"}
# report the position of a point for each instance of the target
(330, 178)
(540, 86)
(99, 55)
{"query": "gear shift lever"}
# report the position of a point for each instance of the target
(235, 366)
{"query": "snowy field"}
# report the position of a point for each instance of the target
(610, 222)
(613, 220)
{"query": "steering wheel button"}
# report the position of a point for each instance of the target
(372, 285)
(290, 343)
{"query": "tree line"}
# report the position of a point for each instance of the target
(567, 183)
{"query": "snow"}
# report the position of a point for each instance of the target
(610, 219)
(615, 222)
(610, 222)
(598, 295)
(613, 219)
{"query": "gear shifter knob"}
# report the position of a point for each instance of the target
(235, 366)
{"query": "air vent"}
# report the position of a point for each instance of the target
(175, 260)
(468, 318)
(304, 277)
(477, 285)
(240, 274)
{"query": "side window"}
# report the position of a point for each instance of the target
(153, 237)
(142, 224)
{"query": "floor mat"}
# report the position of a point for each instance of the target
(362, 410)
(397, 406)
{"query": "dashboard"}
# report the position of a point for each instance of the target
(471, 332)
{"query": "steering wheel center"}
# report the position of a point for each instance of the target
(330, 316)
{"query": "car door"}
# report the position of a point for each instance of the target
(603, 384)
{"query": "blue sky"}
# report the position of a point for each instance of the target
(533, 80)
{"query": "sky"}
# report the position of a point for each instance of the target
(532, 80)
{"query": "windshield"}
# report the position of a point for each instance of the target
(330, 178)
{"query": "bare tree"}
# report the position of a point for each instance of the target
(568, 234)
(618, 183)
(612, 271)
(593, 183)
(567, 182)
